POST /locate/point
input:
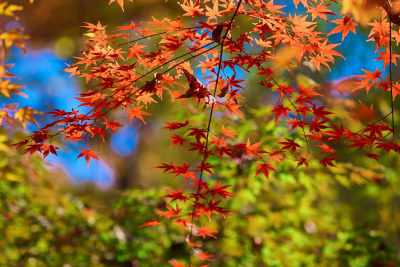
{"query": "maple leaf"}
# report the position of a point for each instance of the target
(320, 11)
(192, 9)
(302, 161)
(389, 146)
(171, 126)
(26, 114)
(136, 51)
(176, 263)
(170, 212)
(204, 256)
(14, 37)
(46, 149)
(88, 154)
(216, 33)
(136, 112)
(373, 156)
(32, 148)
(7, 88)
(307, 91)
(327, 161)
(219, 190)
(385, 56)
(153, 223)
(368, 76)
(344, 25)
(212, 13)
(184, 171)
(205, 167)
(190, 243)
(275, 155)
(289, 144)
(320, 112)
(196, 88)
(223, 92)
(296, 123)
(252, 150)
(204, 231)
(178, 195)
(198, 133)
(176, 139)
(337, 132)
(280, 110)
(228, 132)
(112, 125)
(304, 2)
(317, 125)
(284, 90)
(120, 3)
(265, 168)
(364, 113)
(234, 108)
(183, 222)
(326, 149)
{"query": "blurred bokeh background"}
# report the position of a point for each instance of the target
(59, 212)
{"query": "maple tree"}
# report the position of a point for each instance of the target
(203, 62)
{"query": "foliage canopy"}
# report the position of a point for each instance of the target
(245, 84)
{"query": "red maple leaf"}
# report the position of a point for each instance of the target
(265, 168)
(364, 113)
(327, 161)
(372, 156)
(178, 195)
(171, 126)
(176, 139)
(280, 110)
(190, 243)
(289, 144)
(302, 161)
(326, 149)
(219, 190)
(320, 112)
(170, 212)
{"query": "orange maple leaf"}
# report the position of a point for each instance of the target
(228, 132)
(88, 155)
(252, 150)
(136, 112)
(192, 9)
(120, 3)
(151, 223)
(320, 11)
(204, 256)
(204, 231)
(176, 263)
(276, 155)
(345, 25)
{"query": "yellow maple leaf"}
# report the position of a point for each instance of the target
(26, 114)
